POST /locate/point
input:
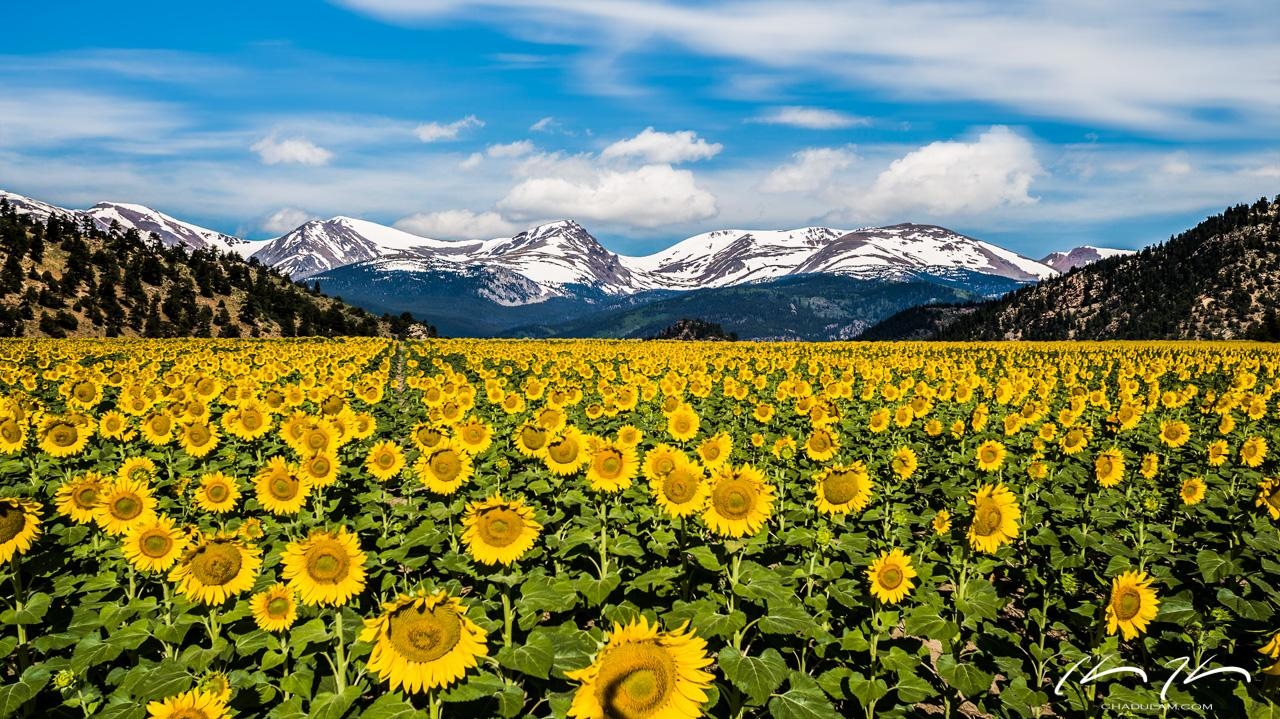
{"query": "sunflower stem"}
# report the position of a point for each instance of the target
(508, 617)
(340, 654)
(603, 509)
(435, 707)
(20, 602)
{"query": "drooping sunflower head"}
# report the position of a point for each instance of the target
(124, 503)
(1269, 496)
(644, 672)
(138, 469)
(217, 493)
(683, 490)
(215, 568)
(890, 576)
(79, 496)
(612, 466)
(498, 531)
(275, 609)
(154, 546)
(13, 434)
(327, 568)
(740, 501)
(842, 489)
(444, 469)
(822, 444)
(995, 518)
(1132, 605)
(422, 642)
(19, 527)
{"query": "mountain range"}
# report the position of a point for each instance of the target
(556, 278)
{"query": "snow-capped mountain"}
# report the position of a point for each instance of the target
(171, 232)
(726, 257)
(1079, 257)
(322, 245)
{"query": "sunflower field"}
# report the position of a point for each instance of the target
(200, 529)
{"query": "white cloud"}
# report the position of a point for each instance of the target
(285, 219)
(437, 132)
(809, 170)
(648, 196)
(950, 178)
(810, 118)
(293, 150)
(519, 148)
(41, 118)
(457, 224)
(663, 147)
(1176, 164)
(472, 162)
(546, 124)
(1264, 171)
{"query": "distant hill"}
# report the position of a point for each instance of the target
(1218, 280)
(63, 275)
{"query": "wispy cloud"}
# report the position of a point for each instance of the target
(437, 132)
(809, 118)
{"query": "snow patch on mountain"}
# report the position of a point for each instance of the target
(1080, 256)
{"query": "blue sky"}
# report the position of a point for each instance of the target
(1036, 125)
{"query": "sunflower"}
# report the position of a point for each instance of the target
(995, 518)
(990, 455)
(661, 461)
(499, 531)
(384, 461)
(1272, 647)
(218, 493)
(784, 447)
(531, 440)
(612, 466)
(155, 545)
(1074, 440)
(740, 501)
(124, 503)
(1192, 491)
(890, 576)
(157, 429)
(216, 568)
(218, 684)
(879, 420)
(474, 435)
(422, 642)
(1133, 603)
(114, 425)
(629, 435)
(195, 704)
(275, 608)
(138, 469)
(942, 522)
(1150, 465)
(1217, 450)
(325, 568)
(1109, 467)
(904, 462)
(1038, 469)
(320, 469)
(682, 424)
(714, 451)
(566, 452)
(1269, 497)
(682, 490)
(843, 488)
(19, 526)
(63, 436)
(822, 445)
(1174, 432)
(444, 469)
(198, 438)
(644, 673)
(1253, 451)
(279, 489)
(13, 435)
(78, 496)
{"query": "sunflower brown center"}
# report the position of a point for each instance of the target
(820, 442)
(316, 440)
(384, 460)
(198, 435)
(251, 419)
(500, 527)
(327, 562)
(533, 437)
(85, 497)
(278, 608)
(665, 465)
(987, 519)
(733, 498)
(155, 544)
(126, 506)
(429, 437)
(890, 577)
(12, 521)
(160, 425)
(989, 455)
(682, 424)
(217, 492)
(446, 465)
(841, 487)
(10, 431)
(564, 451)
(635, 681)
(63, 435)
(319, 465)
(422, 635)
(284, 487)
(610, 464)
(680, 487)
(85, 392)
(216, 563)
(711, 451)
(1126, 604)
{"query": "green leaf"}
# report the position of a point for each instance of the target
(1177, 609)
(912, 689)
(835, 682)
(597, 590)
(14, 696)
(980, 601)
(533, 657)
(328, 705)
(706, 558)
(924, 622)
(757, 677)
(166, 679)
(867, 690)
(1214, 566)
(476, 686)
(803, 700)
(391, 706)
(1243, 607)
(964, 677)
(786, 618)
(303, 635)
(33, 610)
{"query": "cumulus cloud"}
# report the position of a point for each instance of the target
(663, 147)
(810, 118)
(285, 219)
(809, 170)
(472, 162)
(290, 151)
(519, 148)
(648, 196)
(437, 132)
(949, 178)
(457, 224)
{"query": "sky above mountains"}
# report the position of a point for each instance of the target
(1036, 125)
